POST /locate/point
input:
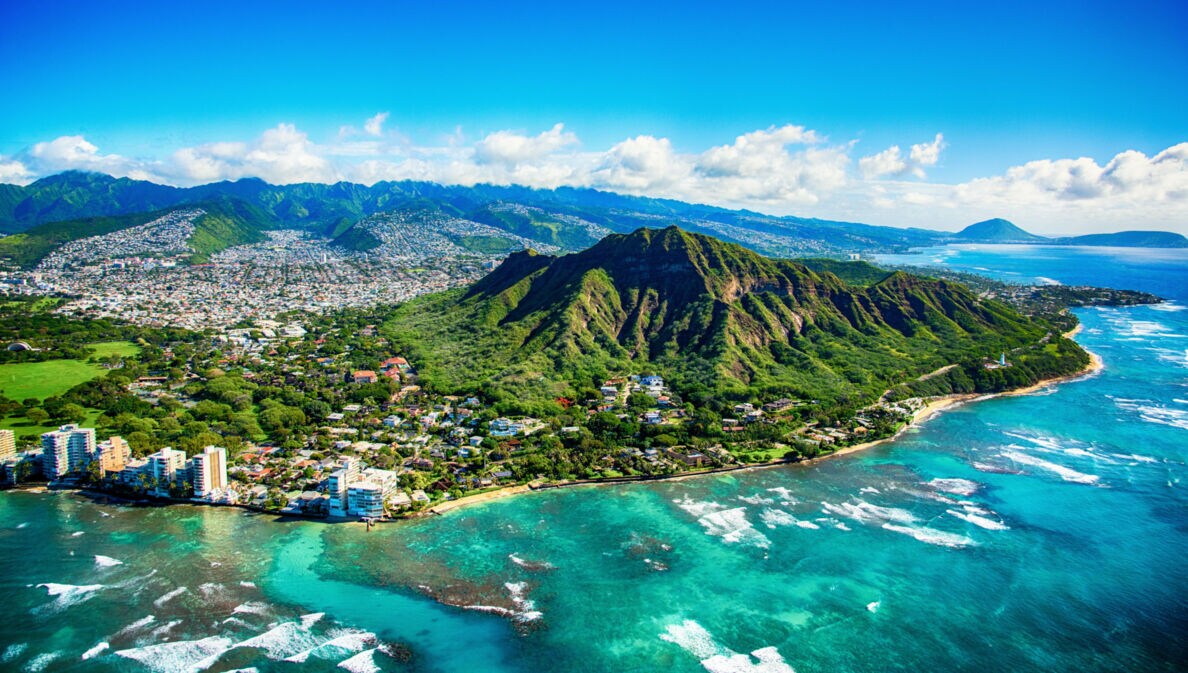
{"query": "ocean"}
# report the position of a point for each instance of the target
(1044, 532)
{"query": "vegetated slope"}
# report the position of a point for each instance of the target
(226, 222)
(1129, 239)
(719, 321)
(997, 230)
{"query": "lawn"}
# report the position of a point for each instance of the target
(124, 349)
(23, 380)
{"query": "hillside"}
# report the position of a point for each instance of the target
(717, 320)
(225, 222)
(996, 230)
(1129, 239)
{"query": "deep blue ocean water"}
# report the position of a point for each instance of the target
(1044, 532)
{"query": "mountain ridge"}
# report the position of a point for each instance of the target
(717, 319)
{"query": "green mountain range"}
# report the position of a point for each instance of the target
(565, 218)
(717, 320)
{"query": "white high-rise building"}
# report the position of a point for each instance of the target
(209, 471)
(67, 449)
(338, 483)
(7, 444)
(164, 466)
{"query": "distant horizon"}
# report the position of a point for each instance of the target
(1066, 116)
(955, 229)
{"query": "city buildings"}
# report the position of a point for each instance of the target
(113, 455)
(208, 471)
(165, 467)
(7, 444)
(67, 449)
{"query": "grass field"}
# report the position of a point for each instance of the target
(45, 379)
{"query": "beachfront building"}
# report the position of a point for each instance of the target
(365, 499)
(208, 470)
(113, 455)
(338, 483)
(67, 449)
(7, 444)
(165, 467)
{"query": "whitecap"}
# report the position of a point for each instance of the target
(13, 651)
(756, 499)
(247, 585)
(1065, 473)
(69, 594)
(955, 486)
(931, 535)
(38, 663)
(865, 512)
(252, 608)
(23, 524)
(783, 493)
(776, 517)
(525, 608)
(874, 606)
(78, 533)
(136, 625)
(169, 596)
(340, 643)
(178, 656)
(164, 629)
(978, 520)
(283, 640)
(363, 662)
(733, 527)
(96, 651)
(106, 561)
(694, 639)
(868, 489)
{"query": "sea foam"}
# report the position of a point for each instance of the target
(694, 639)
(106, 561)
(179, 656)
(96, 651)
(1065, 473)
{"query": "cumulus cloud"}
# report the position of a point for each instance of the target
(281, 155)
(780, 169)
(14, 172)
(510, 148)
(76, 152)
(892, 162)
(1129, 177)
(375, 125)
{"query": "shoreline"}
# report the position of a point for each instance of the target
(932, 408)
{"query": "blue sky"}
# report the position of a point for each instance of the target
(1004, 83)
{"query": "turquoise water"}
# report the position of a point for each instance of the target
(1035, 533)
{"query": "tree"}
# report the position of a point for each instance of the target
(37, 415)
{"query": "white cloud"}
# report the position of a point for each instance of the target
(891, 161)
(375, 125)
(14, 172)
(781, 170)
(510, 148)
(887, 162)
(281, 155)
(640, 164)
(1130, 178)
